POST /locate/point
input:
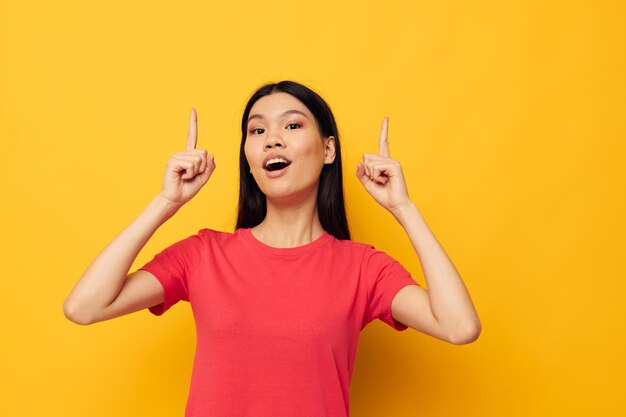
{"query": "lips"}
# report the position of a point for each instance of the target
(275, 163)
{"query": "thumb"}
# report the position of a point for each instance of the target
(360, 174)
(208, 170)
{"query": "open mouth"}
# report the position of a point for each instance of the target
(276, 164)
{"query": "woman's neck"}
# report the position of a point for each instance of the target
(289, 225)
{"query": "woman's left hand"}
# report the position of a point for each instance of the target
(382, 176)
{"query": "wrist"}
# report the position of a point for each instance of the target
(165, 206)
(404, 211)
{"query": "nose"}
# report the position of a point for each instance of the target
(274, 140)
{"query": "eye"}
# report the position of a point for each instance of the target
(293, 125)
(256, 131)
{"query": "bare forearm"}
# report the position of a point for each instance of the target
(450, 301)
(102, 280)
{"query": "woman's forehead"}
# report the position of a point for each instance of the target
(276, 105)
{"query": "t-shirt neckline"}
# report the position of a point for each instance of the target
(246, 234)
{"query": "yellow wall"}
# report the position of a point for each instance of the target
(508, 118)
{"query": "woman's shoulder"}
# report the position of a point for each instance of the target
(208, 234)
(367, 251)
(355, 246)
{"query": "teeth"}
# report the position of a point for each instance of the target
(275, 160)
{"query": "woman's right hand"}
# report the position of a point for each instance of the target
(187, 171)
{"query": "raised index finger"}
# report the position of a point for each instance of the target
(383, 144)
(192, 135)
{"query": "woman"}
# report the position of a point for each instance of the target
(279, 303)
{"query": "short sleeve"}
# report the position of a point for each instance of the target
(385, 278)
(171, 267)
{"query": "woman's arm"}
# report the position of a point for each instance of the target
(101, 283)
(445, 310)
(449, 300)
(104, 290)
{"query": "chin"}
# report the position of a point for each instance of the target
(288, 193)
(276, 193)
(284, 196)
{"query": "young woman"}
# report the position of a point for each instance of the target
(279, 303)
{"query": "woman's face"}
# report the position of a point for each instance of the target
(284, 148)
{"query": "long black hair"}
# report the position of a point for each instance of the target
(331, 208)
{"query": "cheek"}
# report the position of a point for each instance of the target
(247, 151)
(312, 151)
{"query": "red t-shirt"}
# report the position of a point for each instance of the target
(276, 328)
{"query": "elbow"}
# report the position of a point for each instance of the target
(73, 314)
(466, 334)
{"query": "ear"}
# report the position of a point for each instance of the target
(329, 150)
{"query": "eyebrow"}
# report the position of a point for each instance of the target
(259, 116)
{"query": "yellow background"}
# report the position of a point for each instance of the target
(508, 119)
